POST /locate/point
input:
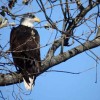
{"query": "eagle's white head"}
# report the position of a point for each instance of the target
(28, 20)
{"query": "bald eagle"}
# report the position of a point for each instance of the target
(25, 49)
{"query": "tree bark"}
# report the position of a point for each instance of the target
(13, 78)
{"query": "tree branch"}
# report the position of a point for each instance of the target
(77, 19)
(13, 78)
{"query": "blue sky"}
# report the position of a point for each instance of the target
(54, 85)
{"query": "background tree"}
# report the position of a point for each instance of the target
(67, 28)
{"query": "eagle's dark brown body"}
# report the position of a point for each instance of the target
(24, 44)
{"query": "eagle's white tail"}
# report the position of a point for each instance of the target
(29, 86)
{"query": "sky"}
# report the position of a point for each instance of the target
(56, 85)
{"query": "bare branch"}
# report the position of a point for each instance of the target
(12, 78)
(78, 18)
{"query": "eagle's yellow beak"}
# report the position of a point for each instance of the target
(36, 19)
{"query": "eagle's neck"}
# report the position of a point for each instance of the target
(27, 23)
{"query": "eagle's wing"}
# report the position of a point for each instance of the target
(26, 51)
(22, 42)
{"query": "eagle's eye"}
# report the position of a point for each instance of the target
(32, 16)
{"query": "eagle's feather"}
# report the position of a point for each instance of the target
(24, 46)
